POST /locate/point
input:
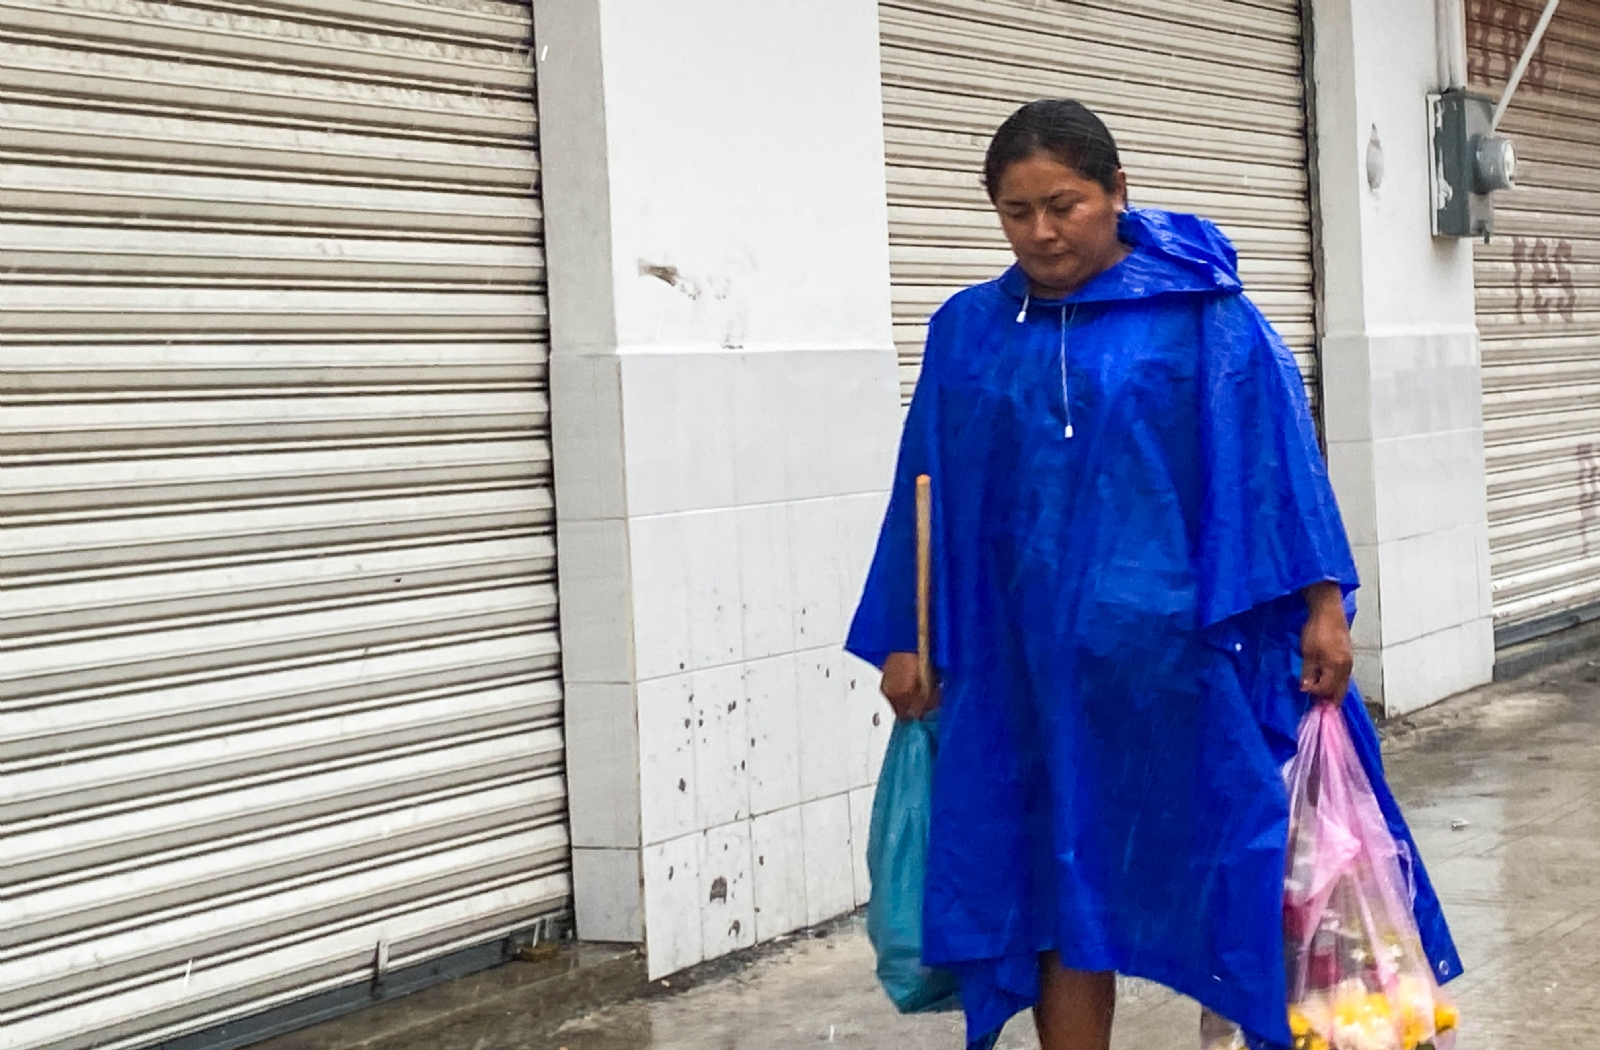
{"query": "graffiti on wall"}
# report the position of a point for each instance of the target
(1588, 494)
(1497, 34)
(1541, 271)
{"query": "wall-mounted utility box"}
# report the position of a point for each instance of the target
(1470, 164)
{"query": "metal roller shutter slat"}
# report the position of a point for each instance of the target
(1205, 99)
(1538, 306)
(279, 672)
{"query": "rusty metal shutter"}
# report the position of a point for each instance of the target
(1206, 99)
(1538, 310)
(279, 671)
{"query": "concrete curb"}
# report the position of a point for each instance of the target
(549, 985)
(523, 1002)
(1538, 653)
(1464, 710)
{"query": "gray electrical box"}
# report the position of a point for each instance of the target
(1470, 164)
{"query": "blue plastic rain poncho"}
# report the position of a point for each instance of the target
(1129, 499)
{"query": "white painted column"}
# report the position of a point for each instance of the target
(725, 415)
(1403, 396)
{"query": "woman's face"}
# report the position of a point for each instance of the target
(1062, 226)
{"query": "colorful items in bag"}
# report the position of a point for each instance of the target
(1358, 976)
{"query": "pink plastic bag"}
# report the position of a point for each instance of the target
(1358, 977)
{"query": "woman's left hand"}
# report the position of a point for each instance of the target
(1325, 645)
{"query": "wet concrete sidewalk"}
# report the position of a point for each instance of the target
(1502, 788)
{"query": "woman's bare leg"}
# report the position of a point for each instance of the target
(1075, 1008)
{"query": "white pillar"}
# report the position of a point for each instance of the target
(725, 415)
(1403, 395)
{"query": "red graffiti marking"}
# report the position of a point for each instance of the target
(1497, 34)
(1541, 273)
(1588, 493)
(1568, 304)
(1519, 261)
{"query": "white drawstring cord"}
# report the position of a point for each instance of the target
(1061, 357)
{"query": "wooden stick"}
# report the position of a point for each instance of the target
(925, 581)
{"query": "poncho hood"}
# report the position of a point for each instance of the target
(1172, 254)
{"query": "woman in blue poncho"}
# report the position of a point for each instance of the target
(1141, 584)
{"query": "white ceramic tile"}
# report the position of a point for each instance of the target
(874, 400)
(830, 872)
(678, 415)
(814, 423)
(1426, 670)
(727, 890)
(673, 920)
(1429, 483)
(811, 439)
(1368, 675)
(586, 436)
(825, 752)
(773, 718)
(1430, 583)
(711, 563)
(1477, 648)
(844, 415)
(818, 581)
(766, 581)
(1346, 388)
(1367, 631)
(868, 720)
(857, 666)
(1350, 469)
(860, 520)
(721, 747)
(596, 629)
(608, 889)
(780, 875)
(1424, 383)
(882, 726)
(1485, 573)
(764, 414)
(860, 832)
(660, 607)
(667, 780)
(602, 765)
(686, 591)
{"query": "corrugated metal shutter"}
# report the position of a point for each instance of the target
(1205, 97)
(1538, 291)
(279, 673)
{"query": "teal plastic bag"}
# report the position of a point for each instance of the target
(897, 859)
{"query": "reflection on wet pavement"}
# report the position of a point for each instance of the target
(822, 992)
(1501, 791)
(1507, 816)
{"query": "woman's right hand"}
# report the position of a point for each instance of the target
(903, 687)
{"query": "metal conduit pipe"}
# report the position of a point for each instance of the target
(1450, 43)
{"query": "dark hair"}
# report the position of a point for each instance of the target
(1061, 128)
